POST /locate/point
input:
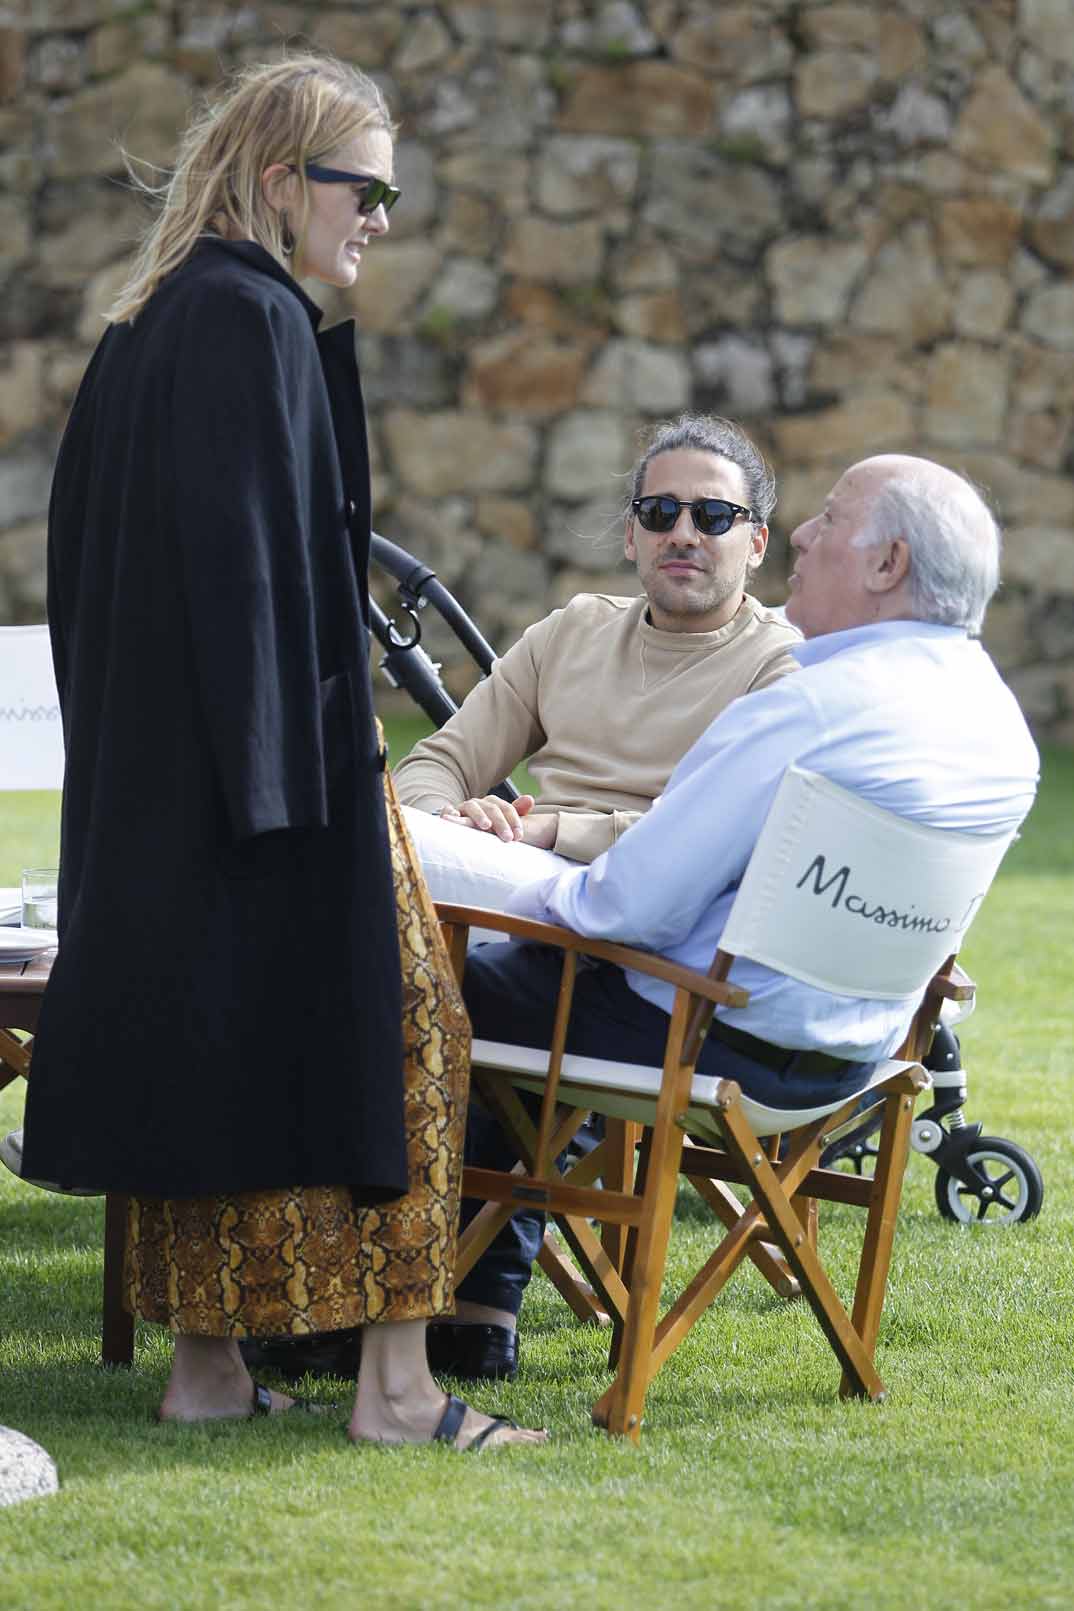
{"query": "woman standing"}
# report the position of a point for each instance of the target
(226, 1013)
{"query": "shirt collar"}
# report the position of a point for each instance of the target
(691, 642)
(812, 651)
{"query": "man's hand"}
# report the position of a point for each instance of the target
(493, 815)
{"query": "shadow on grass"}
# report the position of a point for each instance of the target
(39, 1221)
(96, 1421)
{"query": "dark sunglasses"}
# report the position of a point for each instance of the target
(711, 516)
(375, 192)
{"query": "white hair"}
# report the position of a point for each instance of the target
(954, 543)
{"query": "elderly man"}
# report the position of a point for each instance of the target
(896, 701)
(607, 693)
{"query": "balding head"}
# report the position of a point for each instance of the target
(899, 538)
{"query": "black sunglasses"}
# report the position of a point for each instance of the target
(375, 192)
(711, 516)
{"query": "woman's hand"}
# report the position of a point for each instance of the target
(506, 820)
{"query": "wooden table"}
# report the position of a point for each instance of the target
(22, 986)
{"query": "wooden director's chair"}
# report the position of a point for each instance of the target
(824, 867)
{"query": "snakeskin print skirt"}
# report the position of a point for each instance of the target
(271, 1263)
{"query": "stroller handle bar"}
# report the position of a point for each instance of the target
(405, 663)
(418, 586)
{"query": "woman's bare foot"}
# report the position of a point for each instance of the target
(420, 1425)
(209, 1382)
(399, 1402)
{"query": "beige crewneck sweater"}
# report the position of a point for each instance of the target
(604, 705)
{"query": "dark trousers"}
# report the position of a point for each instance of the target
(510, 993)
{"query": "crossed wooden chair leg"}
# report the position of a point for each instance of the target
(576, 1293)
(14, 1057)
(601, 1261)
(778, 1229)
(601, 1296)
(784, 1210)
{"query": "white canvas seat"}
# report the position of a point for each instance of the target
(629, 1091)
(840, 894)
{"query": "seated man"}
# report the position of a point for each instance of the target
(606, 694)
(896, 701)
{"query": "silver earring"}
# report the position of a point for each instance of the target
(287, 239)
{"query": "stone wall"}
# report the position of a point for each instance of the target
(849, 225)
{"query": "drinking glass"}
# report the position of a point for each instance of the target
(39, 886)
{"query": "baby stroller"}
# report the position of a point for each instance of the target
(979, 1179)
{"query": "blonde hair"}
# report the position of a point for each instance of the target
(294, 111)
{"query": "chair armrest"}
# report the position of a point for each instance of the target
(955, 985)
(624, 956)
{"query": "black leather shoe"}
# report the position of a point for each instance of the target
(472, 1352)
(320, 1353)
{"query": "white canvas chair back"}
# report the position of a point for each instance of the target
(31, 734)
(853, 899)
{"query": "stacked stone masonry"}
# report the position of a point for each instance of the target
(849, 225)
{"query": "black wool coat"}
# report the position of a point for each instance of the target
(224, 1010)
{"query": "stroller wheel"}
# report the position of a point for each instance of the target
(1009, 1187)
(856, 1147)
(856, 1150)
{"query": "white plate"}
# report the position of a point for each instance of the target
(19, 945)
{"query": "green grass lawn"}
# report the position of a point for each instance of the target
(753, 1489)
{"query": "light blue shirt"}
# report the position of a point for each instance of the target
(912, 716)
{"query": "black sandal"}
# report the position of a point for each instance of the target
(452, 1419)
(262, 1404)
